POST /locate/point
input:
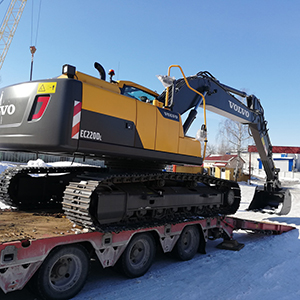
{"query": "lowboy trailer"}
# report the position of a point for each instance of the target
(56, 262)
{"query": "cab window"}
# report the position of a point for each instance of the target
(138, 94)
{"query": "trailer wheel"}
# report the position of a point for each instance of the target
(188, 243)
(138, 255)
(63, 273)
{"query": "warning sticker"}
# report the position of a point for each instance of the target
(46, 88)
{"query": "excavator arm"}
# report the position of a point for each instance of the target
(221, 99)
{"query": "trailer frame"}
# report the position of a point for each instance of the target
(20, 259)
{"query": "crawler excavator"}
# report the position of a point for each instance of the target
(137, 132)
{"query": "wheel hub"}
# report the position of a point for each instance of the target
(137, 254)
(64, 272)
(60, 269)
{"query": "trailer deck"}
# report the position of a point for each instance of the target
(19, 225)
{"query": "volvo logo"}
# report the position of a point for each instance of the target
(239, 109)
(170, 115)
(7, 109)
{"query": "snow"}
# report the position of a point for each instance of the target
(266, 268)
(36, 163)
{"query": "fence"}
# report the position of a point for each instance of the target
(23, 157)
(282, 175)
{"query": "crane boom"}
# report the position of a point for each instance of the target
(9, 26)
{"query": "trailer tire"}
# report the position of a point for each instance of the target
(63, 273)
(138, 255)
(188, 243)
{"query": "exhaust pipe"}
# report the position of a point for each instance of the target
(101, 71)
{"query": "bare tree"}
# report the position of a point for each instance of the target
(236, 136)
(210, 149)
(223, 146)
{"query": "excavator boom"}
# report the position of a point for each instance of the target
(219, 98)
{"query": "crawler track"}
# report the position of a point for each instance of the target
(96, 199)
(36, 187)
(82, 196)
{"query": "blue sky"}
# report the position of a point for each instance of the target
(249, 45)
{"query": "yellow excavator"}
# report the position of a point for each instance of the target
(137, 132)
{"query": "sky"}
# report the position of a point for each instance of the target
(249, 45)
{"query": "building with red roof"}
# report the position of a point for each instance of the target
(286, 158)
(224, 166)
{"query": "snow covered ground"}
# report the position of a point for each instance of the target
(267, 267)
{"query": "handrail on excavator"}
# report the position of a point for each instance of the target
(202, 96)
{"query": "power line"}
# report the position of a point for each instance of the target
(32, 22)
(32, 47)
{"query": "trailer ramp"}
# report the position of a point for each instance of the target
(233, 223)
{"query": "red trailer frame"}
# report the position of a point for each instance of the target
(19, 260)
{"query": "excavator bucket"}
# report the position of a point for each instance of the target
(280, 201)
